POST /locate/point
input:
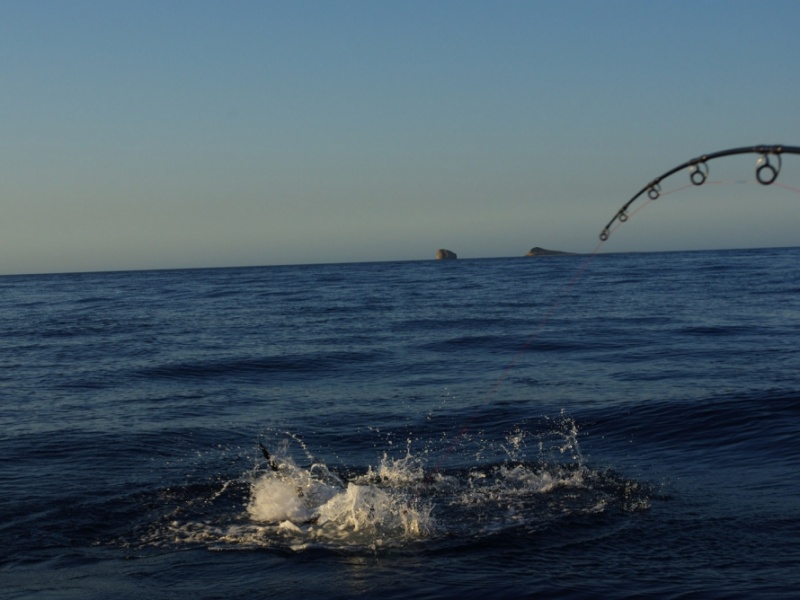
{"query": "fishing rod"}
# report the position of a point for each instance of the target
(766, 174)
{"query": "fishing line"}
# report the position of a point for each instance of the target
(542, 323)
(767, 169)
(788, 187)
(490, 395)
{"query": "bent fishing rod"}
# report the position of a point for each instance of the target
(766, 174)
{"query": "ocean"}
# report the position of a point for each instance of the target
(616, 426)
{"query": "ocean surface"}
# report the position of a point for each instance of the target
(617, 426)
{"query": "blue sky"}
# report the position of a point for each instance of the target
(172, 134)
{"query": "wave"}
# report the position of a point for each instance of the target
(758, 429)
(285, 365)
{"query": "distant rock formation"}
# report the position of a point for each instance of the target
(442, 254)
(536, 251)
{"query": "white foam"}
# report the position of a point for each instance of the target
(273, 499)
(400, 500)
(316, 504)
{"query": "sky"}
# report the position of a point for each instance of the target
(191, 133)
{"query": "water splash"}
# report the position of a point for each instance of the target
(402, 501)
(317, 504)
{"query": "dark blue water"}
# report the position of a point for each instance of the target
(618, 426)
